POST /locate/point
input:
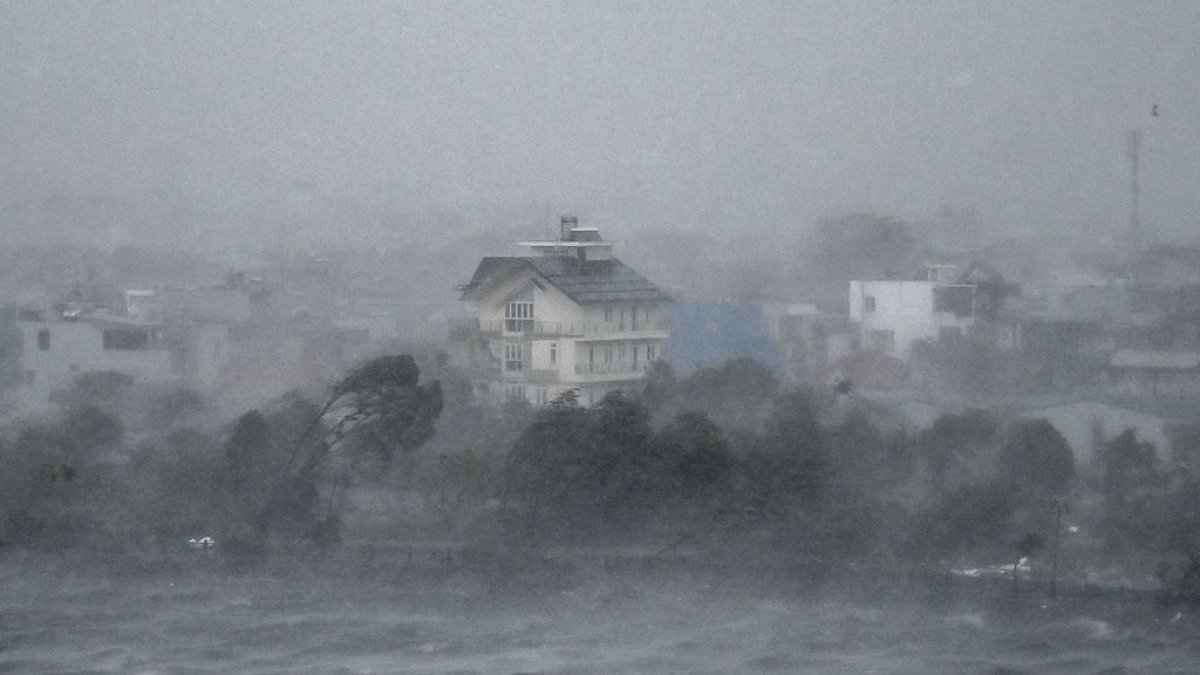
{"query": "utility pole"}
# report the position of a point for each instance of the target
(1059, 506)
(1135, 188)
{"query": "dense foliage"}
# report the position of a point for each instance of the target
(722, 461)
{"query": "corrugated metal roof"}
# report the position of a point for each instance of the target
(1133, 358)
(584, 281)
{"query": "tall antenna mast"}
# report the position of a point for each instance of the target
(1135, 188)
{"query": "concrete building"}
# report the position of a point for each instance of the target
(812, 340)
(940, 303)
(53, 348)
(567, 316)
(1154, 374)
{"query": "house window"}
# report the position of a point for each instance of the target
(591, 359)
(518, 316)
(553, 353)
(514, 392)
(126, 340)
(883, 340)
(635, 352)
(949, 333)
(44, 339)
(608, 315)
(869, 303)
(621, 319)
(513, 354)
(633, 322)
(608, 354)
(649, 353)
(540, 396)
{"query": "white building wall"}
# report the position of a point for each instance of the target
(905, 308)
(78, 347)
(554, 312)
(211, 345)
(550, 306)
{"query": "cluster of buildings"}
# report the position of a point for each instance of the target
(1117, 350)
(1121, 351)
(244, 338)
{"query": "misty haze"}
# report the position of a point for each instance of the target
(670, 337)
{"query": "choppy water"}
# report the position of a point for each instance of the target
(200, 621)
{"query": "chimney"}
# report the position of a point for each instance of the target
(567, 224)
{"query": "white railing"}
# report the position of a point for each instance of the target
(615, 368)
(561, 328)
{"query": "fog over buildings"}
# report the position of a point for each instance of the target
(216, 124)
(844, 336)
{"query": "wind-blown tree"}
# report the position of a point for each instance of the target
(249, 461)
(785, 477)
(89, 426)
(954, 443)
(577, 469)
(50, 485)
(1181, 532)
(109, 390)
(546, 469)
(689, 459)
(619, 433)
(375, 410)
(168, 405)
(862, 478)
(1036, 457)
(659, 386)
(176, 490)
(861, 457)
(1129, 478)
(964, 518)
(734, 393)
(796, 436)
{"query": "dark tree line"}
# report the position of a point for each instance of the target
(280, 472)
(819, 474)
(723, 458)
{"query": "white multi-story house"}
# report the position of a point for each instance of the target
(893, 315)
(567, 316)
(51, 351)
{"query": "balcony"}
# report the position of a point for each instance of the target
(599, 372)
(589, 329)
(541, 376)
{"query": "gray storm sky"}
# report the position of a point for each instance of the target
(715, 115)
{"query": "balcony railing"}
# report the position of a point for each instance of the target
(467, 326)
(611, 368)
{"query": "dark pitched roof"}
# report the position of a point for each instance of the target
(486, 269)
(582, 281)
(980, 271)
